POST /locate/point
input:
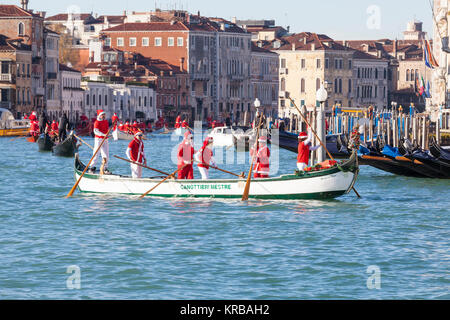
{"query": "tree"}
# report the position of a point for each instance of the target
(67, 53)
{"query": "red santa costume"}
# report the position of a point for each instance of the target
(101, 127)
(54, 128)
(126, 127)
(184, 124)
(121, 126)
(33, 116)
(134, 127)
(177, 122)
(205, 158)
(114, 119)
(261, 168)
(186, 157)
(34, 128)
(135, 152)
(304, 149)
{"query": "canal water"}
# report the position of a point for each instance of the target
(393, 243)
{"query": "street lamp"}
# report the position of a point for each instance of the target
(321, 97)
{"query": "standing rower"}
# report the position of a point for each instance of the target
(135, 152)
(101, 128)
(304, 148)
(205, 158)
(186, 157)
(178, 122)
(262, 159)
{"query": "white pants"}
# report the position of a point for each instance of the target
(204, 172)
(301, 166)
(136, 171)
(104, 150)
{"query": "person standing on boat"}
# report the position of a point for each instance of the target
(33, 116)
(54, 129)
(186, 157)
(205, 158)
(178, 121)
(304, 149)
(63, 127)
(43, 120)
(34, 129)
(262, 167)
(115, 118)
(135, 153)
(101, 128)
(184, 124)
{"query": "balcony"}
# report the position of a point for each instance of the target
(39, 92)
(199, 76)
(6, 77)
(52, 75)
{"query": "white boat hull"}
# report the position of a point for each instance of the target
(328, 183)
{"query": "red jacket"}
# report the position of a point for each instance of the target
(54, 126)
(205, 158)
(185, 153)
(303, 153)
(137, 150)
(101, 126)
(34, 128)
(262, 160)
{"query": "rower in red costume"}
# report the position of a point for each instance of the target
(34, 129)
(33, 116)
(135, 127)
(184, 124)
(261, 168)
(101, 128)
(126, 127)
(135, 152)
(121, 126)
(186, 157)
(149, 127)
(205, 158)
(178, 122)
(54, 128)
(304, 149)
(115, 118)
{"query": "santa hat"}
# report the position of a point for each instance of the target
(34, 112)
(100, 112)
(138, 133)
(303, 135)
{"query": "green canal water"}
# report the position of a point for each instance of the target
(393, 243)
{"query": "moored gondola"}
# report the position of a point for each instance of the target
(438, 152)
(45, 143)
(66, 148)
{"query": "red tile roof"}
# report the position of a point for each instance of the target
(14, 11)
(63, 67)
(65, 17)
(150, 26)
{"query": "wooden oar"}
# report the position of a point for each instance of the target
(168, 177)
(318, 139)
(83, 141)
(242, 175)
(89, 163)
(249, 177)
(142, 165)
(17, 138)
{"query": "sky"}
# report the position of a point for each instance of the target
(339, 19)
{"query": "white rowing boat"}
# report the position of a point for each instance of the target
(122, 135)
(324, 184)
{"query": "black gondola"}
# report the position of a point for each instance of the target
(438, 152)
(45, 143)
(67, 148)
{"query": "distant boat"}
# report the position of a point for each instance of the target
(45, 143)
(66, 148)
(10, 127)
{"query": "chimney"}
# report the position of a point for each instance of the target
(305, 40)
(395, 48)
(24, 4)
(313, 46)
(135, 66)
(293, 46)
(379, 54)
(234, 20)
(181, 64)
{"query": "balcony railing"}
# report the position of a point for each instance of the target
(6, 77)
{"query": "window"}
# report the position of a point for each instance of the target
(349, 85)
(283, 84)
(158, 42)
(349, 64)
(303, 63)
(317, 84)
(340, 85)
(145, 42)
(283, 63)
(407, 75)
(106, 100)
(336, 63)
(21, 29)
(120, 42)
(302, 86)
(108, 42)
(327, 63)
(132, 42)
(180, 41)
(87, 99)
(318, 63)
(170, 42)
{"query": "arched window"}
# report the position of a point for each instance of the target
(317, 84)
(407, 75)
(21, 29)
(302, 85)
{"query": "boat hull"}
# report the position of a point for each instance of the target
(67, 148)
(45, 143)
(16, 132)
(121, 135)
(325, 184)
